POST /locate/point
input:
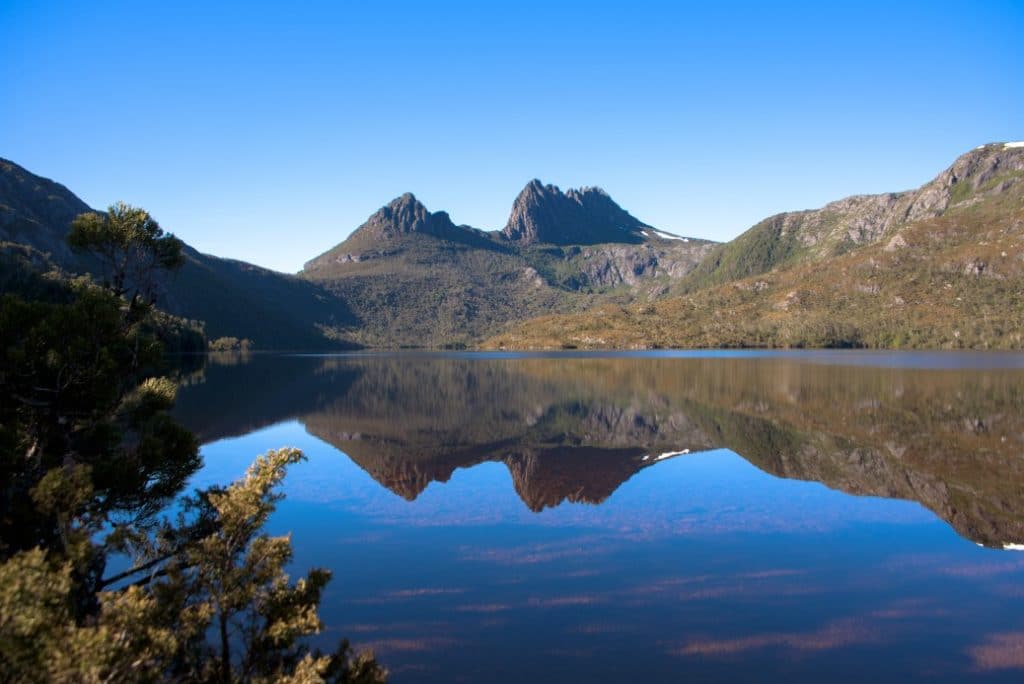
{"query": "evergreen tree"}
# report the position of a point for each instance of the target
(89, 456)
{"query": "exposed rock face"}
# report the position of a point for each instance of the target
(863, 219)
(389, 229)
(613, 265)
(406, 214)
(543, 213)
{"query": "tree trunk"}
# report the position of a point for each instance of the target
(225, 652)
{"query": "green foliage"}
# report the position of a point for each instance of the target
(71, 375)
(760, 249)
(233, 580)
(131, 247)
(41, 640)
(89, 456)
(230, 344)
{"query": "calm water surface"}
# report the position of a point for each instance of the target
(647, 517)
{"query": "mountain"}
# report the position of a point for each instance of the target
(937, 267)
(860, 220)
(415, 278)
(36, 211)
(543, 213)
(392, 229)
(406, 277)
(232, 298)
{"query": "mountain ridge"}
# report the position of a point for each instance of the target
(582, 216)
(412, 277)
(938, 267)
(854, 221)
(415, 278)
(230, 297)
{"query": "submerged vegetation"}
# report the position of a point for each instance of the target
(96, 584)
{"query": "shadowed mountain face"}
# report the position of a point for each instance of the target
(232, 298)
(36, 211)
(574, 429)
(543, 213)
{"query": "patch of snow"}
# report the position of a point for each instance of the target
(1019, 143)
(670, 236)
(1013, 547)
(646, 234)
(667, 454)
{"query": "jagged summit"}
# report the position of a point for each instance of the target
(392, 228)
(406, 214)
(587, 215)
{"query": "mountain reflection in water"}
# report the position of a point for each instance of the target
(595, 517)
(574, 429)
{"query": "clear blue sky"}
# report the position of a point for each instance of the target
(269, 131)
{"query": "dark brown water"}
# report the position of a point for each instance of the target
(648, 517)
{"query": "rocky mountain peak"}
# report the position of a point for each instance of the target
(588, 215)
(403, 215)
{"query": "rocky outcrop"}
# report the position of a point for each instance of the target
(386, 232)
(861, 220)
(406, 214)
(614, 265)
(584, 216)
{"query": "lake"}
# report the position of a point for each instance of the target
(655, 516)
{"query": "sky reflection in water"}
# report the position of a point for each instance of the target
(536, 537)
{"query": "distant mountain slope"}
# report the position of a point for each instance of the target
(415, 278)
(276, 310)
(233, 298)
(942, 267)
(854, 222)
(36, 211)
